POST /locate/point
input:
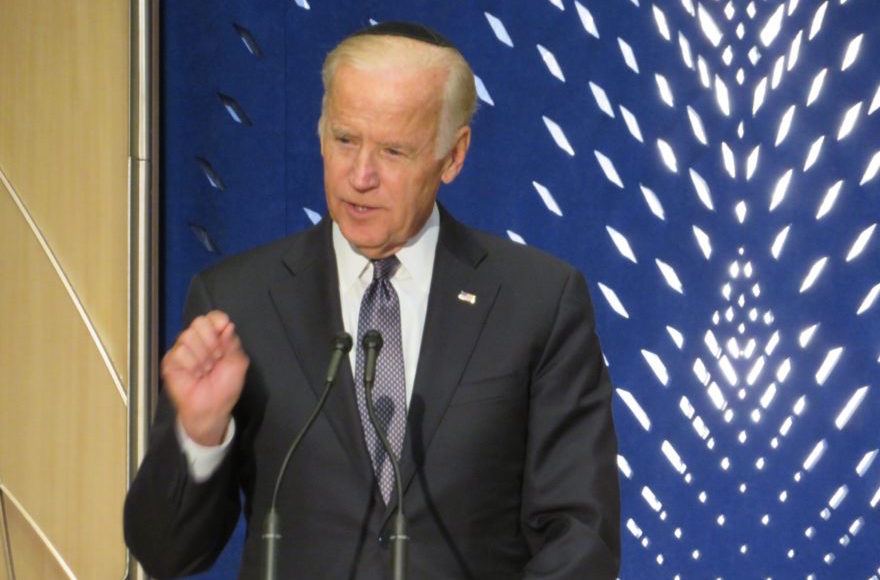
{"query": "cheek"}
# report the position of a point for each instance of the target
(426, 192)
(334, 177)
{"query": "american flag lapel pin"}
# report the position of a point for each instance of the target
(467, 297)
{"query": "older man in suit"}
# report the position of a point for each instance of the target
(493, 388)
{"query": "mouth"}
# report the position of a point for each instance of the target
(359, 209)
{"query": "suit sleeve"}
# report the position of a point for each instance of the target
(571, 497)
(173, 525)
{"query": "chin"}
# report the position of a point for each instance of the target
(364, 243)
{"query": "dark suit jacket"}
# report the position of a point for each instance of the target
(509, 463)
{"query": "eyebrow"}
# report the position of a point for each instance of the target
(402, 146)
(399, 145)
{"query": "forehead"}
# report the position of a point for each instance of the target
(387, 91)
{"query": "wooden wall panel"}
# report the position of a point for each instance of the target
(64, 145)
(64, 140)
(63, 423)
(32, 558)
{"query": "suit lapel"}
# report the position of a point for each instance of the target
(306, 297)
(452, 327)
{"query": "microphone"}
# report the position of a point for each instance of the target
(272, 523)
(372, 344)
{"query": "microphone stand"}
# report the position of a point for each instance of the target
(272, 523)
(372, 343)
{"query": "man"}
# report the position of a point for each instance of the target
(491, 383)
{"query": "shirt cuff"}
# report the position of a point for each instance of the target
(204, 460)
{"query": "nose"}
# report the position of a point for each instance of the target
(363, 175)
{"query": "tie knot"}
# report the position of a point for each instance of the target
(385, 268)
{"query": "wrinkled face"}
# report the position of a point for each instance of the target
(381, 170)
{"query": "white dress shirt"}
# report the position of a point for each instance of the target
(411, 281)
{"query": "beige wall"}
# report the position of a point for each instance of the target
(64, 287)
(29, 550)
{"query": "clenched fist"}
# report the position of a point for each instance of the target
(203, 374)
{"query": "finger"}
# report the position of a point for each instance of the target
(228, 337)
(218, 319)
(181, 359)
(206, 339)
(195, 356)
(230, 343)
(190, 352)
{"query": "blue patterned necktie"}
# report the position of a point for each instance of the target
(380, 310)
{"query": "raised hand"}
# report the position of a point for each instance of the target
(204, 374)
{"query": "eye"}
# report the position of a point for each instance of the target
(393, 152)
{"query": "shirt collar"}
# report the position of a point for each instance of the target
(416, 257)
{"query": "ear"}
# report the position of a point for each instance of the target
(321, 131)
(454, 160)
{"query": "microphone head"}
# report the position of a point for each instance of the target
(372, 340)
(342, 342)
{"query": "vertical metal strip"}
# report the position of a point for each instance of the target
(142, 239)
(4, 537)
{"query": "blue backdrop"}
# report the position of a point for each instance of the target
(712, 167)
